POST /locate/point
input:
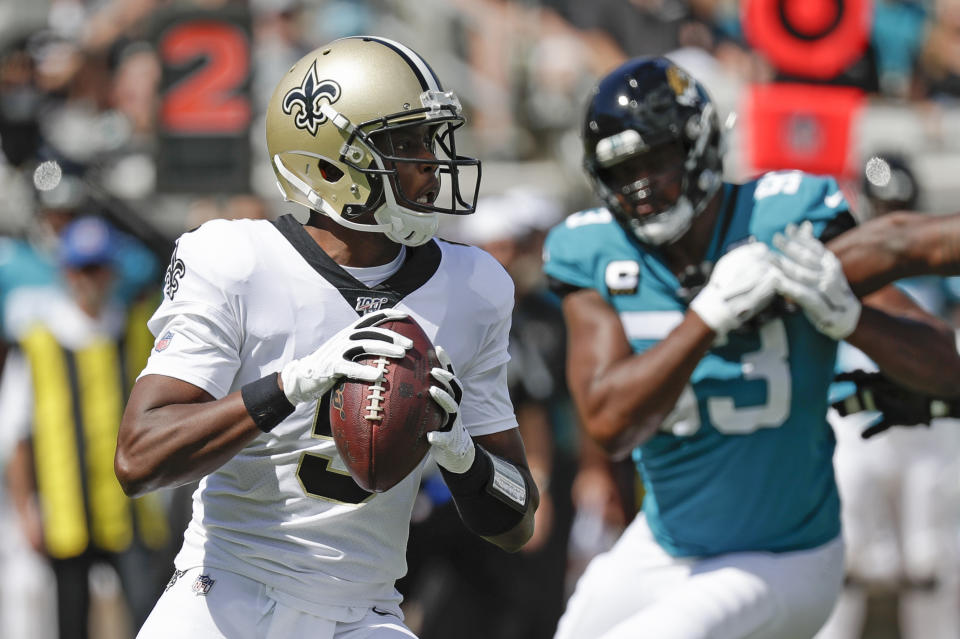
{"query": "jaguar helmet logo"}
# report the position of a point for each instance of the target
(306, 98)
(683, 85)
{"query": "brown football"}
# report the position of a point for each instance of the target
(380, 428)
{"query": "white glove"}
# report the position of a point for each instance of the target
(309, 378)
(451, 446)
(813, 277)
(741, 285)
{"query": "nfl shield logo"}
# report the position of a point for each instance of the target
(163, 342)
(202, 585)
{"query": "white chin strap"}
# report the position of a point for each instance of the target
(398, 223)
(665, 227)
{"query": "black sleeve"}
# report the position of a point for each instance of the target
(560, 288)
(484, 507)
(837, 226)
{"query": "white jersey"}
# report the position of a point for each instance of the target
(242, 298)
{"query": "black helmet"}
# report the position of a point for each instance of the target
(644, 111)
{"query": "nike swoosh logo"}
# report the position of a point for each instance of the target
(833, 200)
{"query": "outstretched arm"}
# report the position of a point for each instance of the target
(907, 343)
(910, 345)
(898, 245)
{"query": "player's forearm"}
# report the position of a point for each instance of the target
(627, 403)
(496, 499)
(174, 444)
(920, 356)
(898, 245)
(515, 538)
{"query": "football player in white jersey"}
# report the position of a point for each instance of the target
(260, 319)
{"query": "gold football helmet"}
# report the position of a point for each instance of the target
(331, 129)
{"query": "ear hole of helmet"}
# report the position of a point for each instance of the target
(328, 171)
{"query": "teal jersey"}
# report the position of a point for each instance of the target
(744, 462)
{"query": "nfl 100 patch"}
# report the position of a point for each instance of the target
(370, 304)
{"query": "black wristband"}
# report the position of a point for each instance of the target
(266, 402)
(481, 501)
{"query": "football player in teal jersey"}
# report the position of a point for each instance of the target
(703, 320)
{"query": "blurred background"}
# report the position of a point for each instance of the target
(148, 115)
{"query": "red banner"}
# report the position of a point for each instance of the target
(805, 127)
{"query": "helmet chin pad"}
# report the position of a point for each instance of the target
(665, 227)
(407, 227)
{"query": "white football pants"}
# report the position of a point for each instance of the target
(901, 502)
(217, 604)
(637, 590)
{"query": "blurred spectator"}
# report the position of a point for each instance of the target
(493, 39)
(27, 585)
(20, 102)
(899, 28)
(110, 20)
(637, 27)
(62, 196)
(279, 42)
(938, 76)
(555, 70)
(78, 353)
(134, 86)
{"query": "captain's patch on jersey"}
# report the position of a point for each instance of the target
(622, 277)
(163, 342)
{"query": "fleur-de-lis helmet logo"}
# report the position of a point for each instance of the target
(307, 97)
